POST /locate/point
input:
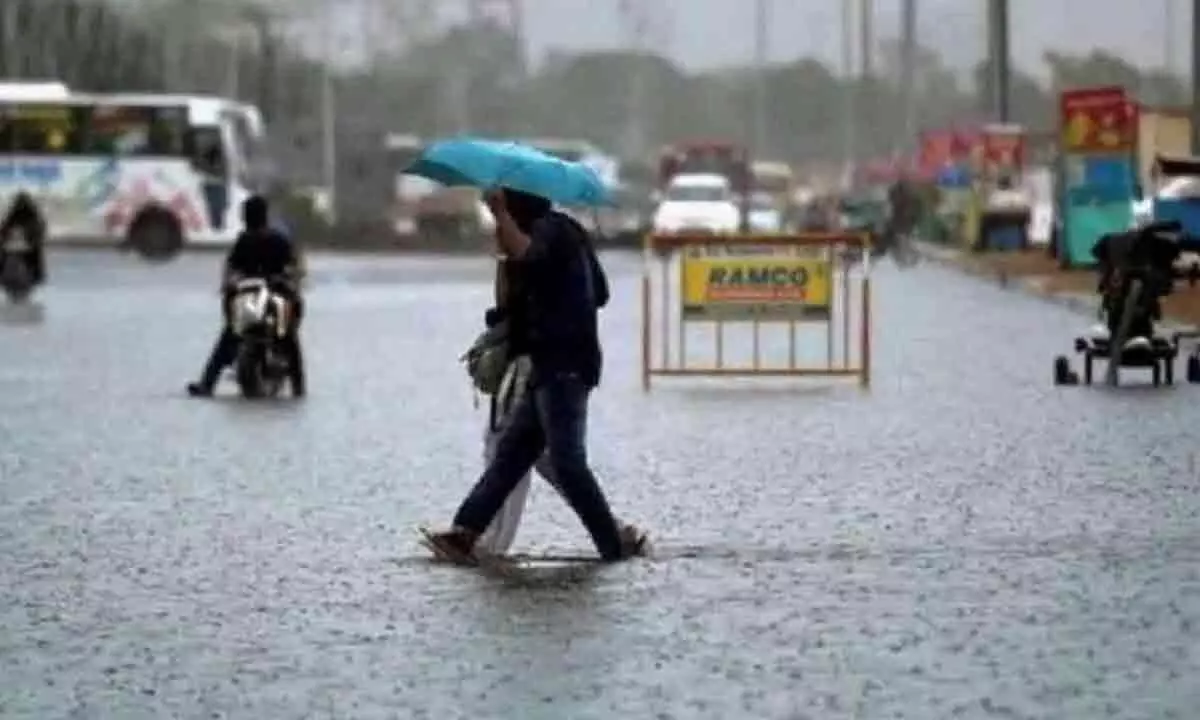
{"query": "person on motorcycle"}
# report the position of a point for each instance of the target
(1147, 252)
(259, 252)
(24, 215)
(904, 208)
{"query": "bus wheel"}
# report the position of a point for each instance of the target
(155, 234)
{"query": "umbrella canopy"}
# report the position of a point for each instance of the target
(488, 164)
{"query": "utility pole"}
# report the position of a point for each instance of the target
(1195, 76)
(12, 60)
(463, 73)
(634, 17)
(1169, 37)
(908, 66)
(233, 78)
(267, 52)
(866, 37)
(329, 112)
(866, 46)
(998, 60)
(849, 87)
(758, 146)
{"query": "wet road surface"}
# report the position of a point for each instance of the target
(963, 541)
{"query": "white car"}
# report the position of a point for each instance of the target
(764, 214)
(700, 202)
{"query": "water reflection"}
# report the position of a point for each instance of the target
(26, 313)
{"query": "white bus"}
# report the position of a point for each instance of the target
(160, 172)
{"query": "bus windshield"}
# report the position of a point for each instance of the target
(249, 143)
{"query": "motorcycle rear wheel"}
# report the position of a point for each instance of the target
(17, 280)
(1117, 342)
(254, 378)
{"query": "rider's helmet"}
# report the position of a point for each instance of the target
(256, 213)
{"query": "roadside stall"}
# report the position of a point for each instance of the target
(1097, 169)
(945, 156)
(1002, 202)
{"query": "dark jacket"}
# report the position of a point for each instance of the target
(24, 213)
(563, 287)
(553, 295)
(263, 253)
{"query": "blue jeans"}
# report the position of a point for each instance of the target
(552, 417)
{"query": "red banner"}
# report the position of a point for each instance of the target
(1003, 149)
(942, 149)
(937, 149)
(1097, 120)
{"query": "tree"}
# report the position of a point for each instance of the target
(1029, 103)
(589, 96)
(474, 75)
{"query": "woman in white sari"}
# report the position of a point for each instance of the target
(499, 536)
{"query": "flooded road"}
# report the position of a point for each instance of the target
(963, 541)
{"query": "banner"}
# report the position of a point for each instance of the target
(944, 148)
(1098, 120)
(945, 156)
(937, 149)
(1003, 148)
(755, 288)
(1098, 130)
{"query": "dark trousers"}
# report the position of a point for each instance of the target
(225, 350)
(35, 261)
(38, 264)
(552, 416)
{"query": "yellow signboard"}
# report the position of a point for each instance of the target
(755, 288)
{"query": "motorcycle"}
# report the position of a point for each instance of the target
(260, 318)
(1137, 269)
(16, 266)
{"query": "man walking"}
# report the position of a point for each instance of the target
(564, 288)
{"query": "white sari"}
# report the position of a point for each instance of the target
(499, 536)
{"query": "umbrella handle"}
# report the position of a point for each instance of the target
(596, 221)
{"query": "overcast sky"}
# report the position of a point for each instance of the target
(709, 33)
(705, 33)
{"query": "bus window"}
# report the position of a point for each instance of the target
(114, 130)
(136, 130)
(168, 131)
(39, 129)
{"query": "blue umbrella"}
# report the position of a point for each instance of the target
(488, 164)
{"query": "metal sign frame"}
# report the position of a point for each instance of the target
(843, 251)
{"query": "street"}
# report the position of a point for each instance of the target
(963, 540)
